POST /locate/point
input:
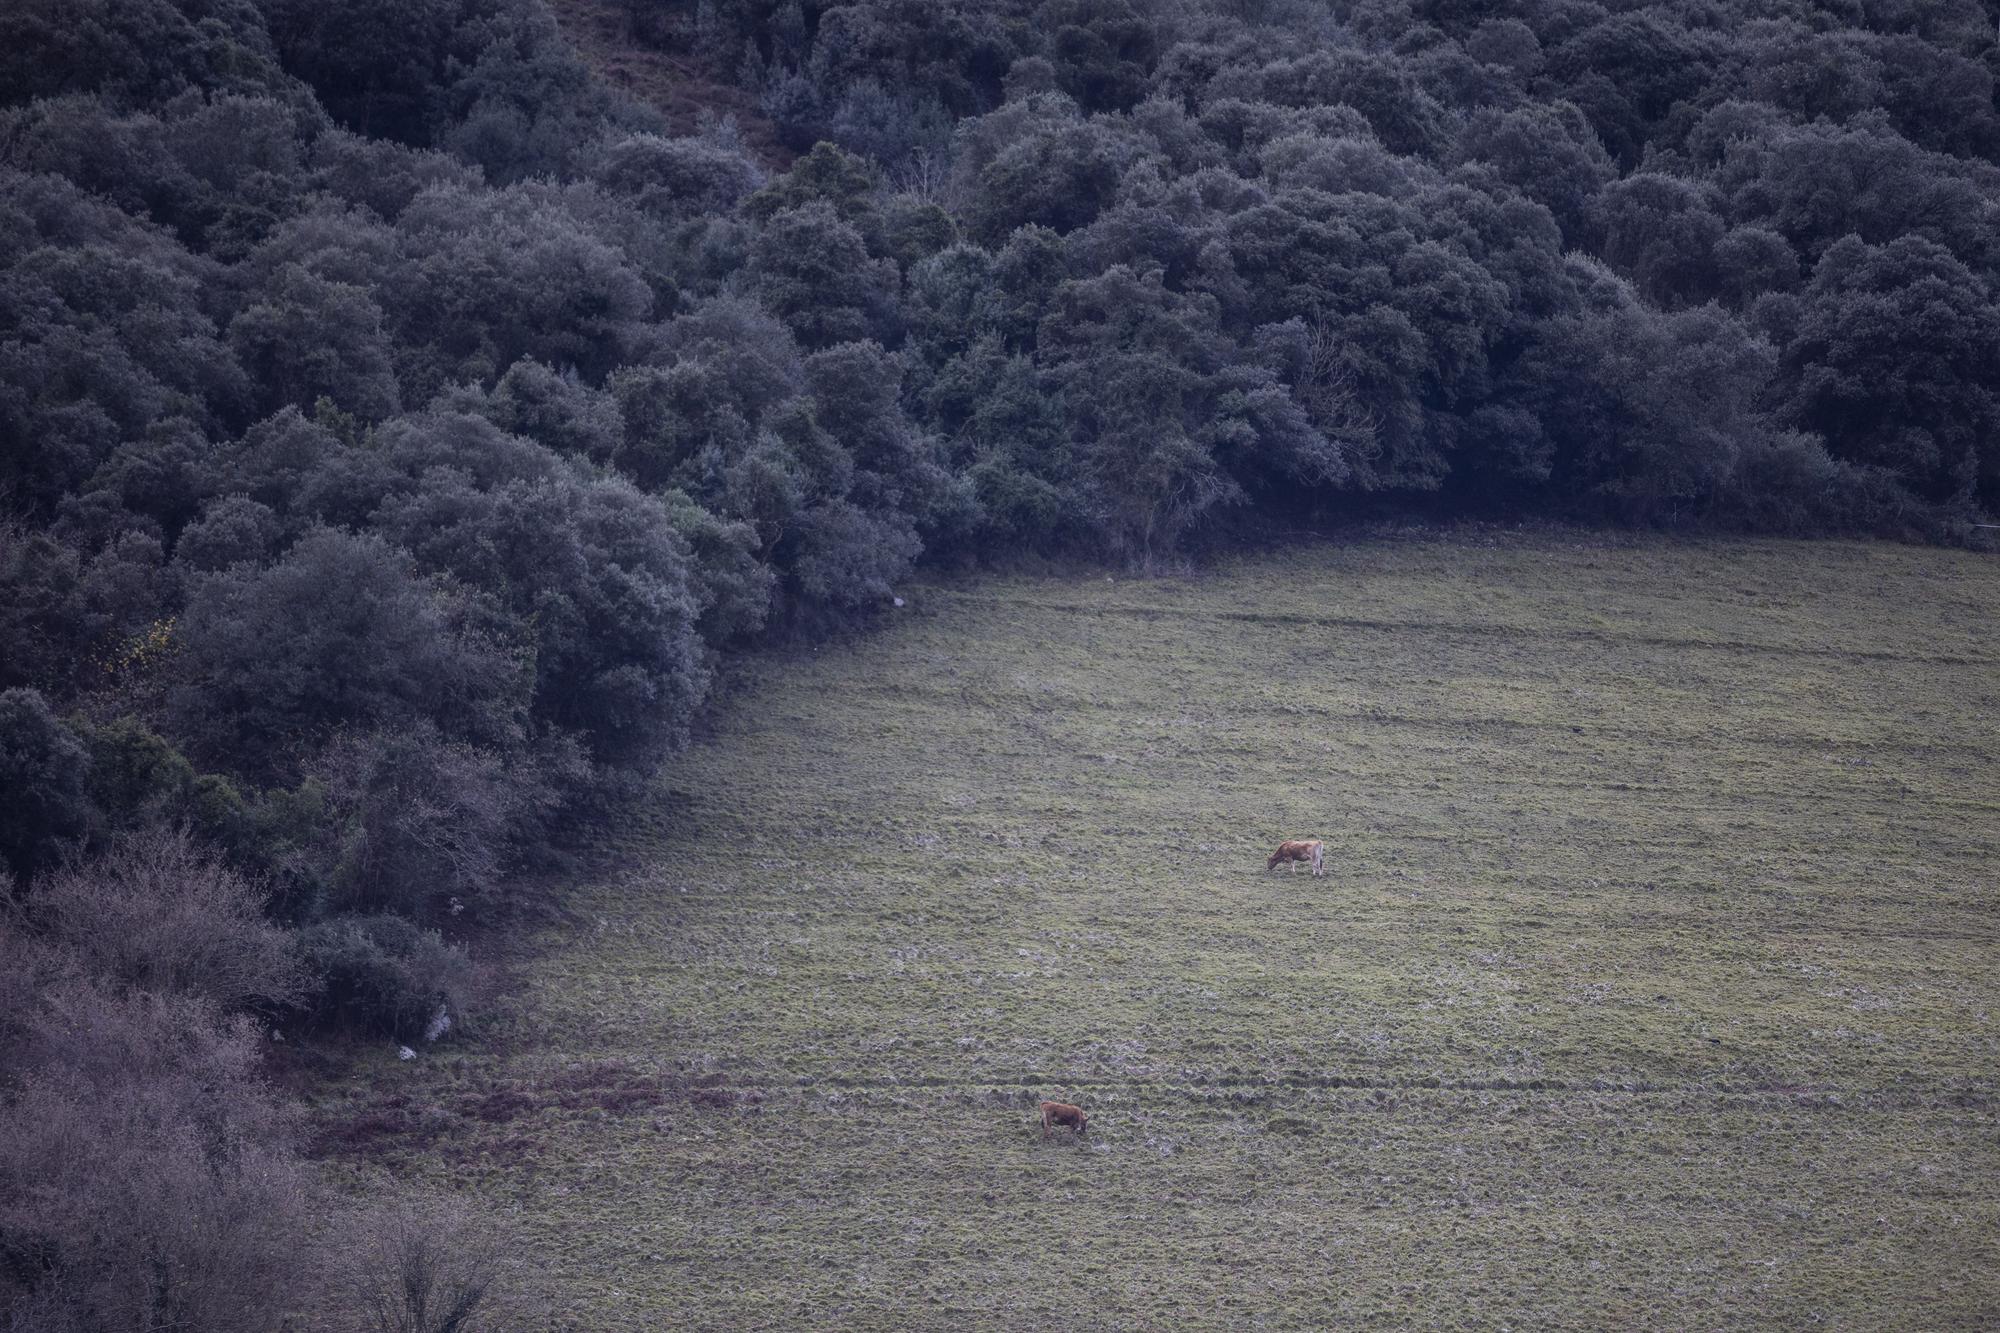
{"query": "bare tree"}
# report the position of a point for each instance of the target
(427, 817)
(159, 912)
(146, 1179)
(1327, 389)
(427, 1270)
(926, 176)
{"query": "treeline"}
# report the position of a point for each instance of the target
(397, 423)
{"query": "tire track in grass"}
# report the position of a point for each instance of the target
(1435, 723)
(1472, 629)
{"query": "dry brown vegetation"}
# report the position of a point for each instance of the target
(674, 84)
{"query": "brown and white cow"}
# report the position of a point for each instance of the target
(1310, 850)
(1062, 1113)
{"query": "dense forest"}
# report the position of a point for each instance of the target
(398, 422)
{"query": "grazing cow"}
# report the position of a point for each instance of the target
(1062, 1113)
(1310, 850)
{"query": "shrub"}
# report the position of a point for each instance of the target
(161, 913)
(135, 774)
(43, 770)
(145, 1176)
(426, 1271)
(232, 530)
(423, 818)
(343, 631)
(384, 975)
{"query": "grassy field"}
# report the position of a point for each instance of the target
(1655, 978)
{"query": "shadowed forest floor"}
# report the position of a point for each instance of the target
(1653, 980)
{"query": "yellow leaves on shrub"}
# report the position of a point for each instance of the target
(142, 652)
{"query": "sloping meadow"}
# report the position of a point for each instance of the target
(1652, 979)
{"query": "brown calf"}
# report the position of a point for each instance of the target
(1062, 1113)
(1310, 850)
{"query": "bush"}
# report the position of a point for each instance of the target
(232, 530)
(135, 775)
(423, 819)
(426, 1271)
(145, 1175)
(1790, 484)
(161, 913)
(43, 770)
(383, 975)
(342, 631)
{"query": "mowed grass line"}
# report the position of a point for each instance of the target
(1653, 980)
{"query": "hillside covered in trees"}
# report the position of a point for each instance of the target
(398, 421)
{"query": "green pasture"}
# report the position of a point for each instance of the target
(1654, 981)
